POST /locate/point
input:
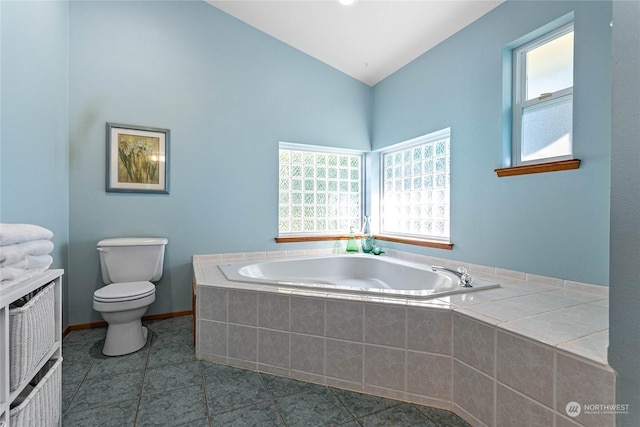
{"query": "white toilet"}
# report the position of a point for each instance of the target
(128, 265)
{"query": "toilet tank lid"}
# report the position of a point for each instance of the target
(133, 241)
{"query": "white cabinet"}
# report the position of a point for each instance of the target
(45, 369)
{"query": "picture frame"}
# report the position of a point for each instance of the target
(137, 159)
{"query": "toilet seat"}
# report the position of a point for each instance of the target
(125, 291)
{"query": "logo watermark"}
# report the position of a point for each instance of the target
(573, 409)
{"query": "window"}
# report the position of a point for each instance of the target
(320, 189)
(543, 99)
(415, 187)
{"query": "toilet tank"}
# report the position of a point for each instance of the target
(131, 259)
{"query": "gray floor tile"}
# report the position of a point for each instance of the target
(107, 390)
(170, 332)
(363, 404)
(172, 408)
(235, 389)
(172, 338)
(105, 366)
(280, 386)
(168, 355)
(168, 377)
(202, 422)
(215, 373)
(74, 371)
(82, 337)
(120, 414)
(258, 415)
(78, 345)
(443, 418)
(400, 415)
(68, 393)
(313, 407)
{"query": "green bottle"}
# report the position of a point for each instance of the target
(352, 245)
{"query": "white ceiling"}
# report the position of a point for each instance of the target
(369, 40)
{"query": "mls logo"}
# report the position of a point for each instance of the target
(573, 409)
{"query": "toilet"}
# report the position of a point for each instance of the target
(128, 266)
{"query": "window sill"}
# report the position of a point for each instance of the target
(328, 237)
(312, 238)
(416, 241)
(562, 165)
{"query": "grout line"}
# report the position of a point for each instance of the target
(150, 336)
(204, 392)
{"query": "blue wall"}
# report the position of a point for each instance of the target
(229, 94)
(34, 120)
(553, 224)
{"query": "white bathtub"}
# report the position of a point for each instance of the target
(354, 273)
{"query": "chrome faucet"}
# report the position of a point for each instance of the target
(464, 278)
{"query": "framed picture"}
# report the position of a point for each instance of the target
(137, 159)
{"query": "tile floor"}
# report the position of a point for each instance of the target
(164, 385)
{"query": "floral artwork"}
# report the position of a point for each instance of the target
(137, 159)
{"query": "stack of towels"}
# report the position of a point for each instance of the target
(24, 252)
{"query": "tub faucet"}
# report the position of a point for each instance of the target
(464, 278)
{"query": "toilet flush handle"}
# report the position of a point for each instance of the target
(103, 249)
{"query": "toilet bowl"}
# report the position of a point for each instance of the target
(122, 306)
(128, 266)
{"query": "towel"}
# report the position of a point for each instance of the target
(11, 254)
(11, 273)
(24, 269)
(30, 262)
(38, 261)
(19, 276)
(19, 233)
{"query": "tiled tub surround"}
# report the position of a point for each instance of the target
(513, 356)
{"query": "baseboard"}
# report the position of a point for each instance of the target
(167, 315)
(103, 324)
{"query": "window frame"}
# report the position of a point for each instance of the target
(519, 90)
(318, 235)
(436, 240)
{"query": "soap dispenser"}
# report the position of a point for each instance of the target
(352, 245)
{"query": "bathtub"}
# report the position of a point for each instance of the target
(352, 273)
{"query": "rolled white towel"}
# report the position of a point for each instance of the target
(10, 254)
(18, 233)
(38, 261)
(30, 262)
(11, 273)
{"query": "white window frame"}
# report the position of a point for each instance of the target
(353, 222)
(416, 142)
(520, 103)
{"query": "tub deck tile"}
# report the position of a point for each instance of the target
(544, 310)
(590, 346)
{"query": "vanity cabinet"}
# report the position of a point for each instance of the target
(30, 363)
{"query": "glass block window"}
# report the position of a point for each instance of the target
(319, 191)
(415, 187)
(543, 98)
